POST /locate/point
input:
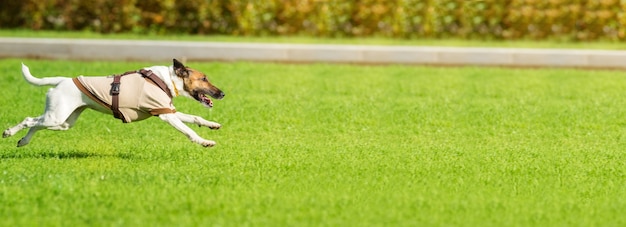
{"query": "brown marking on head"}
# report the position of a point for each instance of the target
(197, 84)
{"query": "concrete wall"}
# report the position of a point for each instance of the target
(93, 49)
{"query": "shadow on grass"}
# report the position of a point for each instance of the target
(63, 155)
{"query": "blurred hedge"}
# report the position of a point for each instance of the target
(567, 20)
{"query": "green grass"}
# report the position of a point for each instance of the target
(611, 45)
(331, 145)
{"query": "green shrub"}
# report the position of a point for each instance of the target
(575, 20)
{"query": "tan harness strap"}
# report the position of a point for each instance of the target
(84, 90)
(154, 78)
(115, 92)
(115, 96)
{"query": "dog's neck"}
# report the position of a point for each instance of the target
(173, 82)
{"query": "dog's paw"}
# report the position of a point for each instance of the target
(213, 125)
(202, 122)
(207, 143)
(7, 133)
(203, 142)
(22, 142)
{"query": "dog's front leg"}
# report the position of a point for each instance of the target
(192, 119)
(176, 122)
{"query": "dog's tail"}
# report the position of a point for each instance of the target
(39, 81)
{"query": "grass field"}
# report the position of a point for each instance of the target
(331, 145)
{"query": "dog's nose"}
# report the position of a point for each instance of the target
(221, 94)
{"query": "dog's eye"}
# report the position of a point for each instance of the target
(204, 79)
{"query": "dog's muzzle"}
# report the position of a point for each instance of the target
(202, 96)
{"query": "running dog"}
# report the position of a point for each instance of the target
(132, 96)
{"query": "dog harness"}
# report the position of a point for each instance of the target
(143, 94)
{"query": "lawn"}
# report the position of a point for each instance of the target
(330, 145)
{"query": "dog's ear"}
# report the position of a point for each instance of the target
(180, 69)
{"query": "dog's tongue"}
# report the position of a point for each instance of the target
(207, 101)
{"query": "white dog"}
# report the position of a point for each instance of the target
(132, 96)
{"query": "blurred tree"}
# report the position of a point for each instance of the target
(569, 20)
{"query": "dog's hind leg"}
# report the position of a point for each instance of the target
(27, 123)
(48, 121)
(63, 106)
(69, 122)
(26, 139)
(36, 124)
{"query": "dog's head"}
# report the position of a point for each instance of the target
(196, 84)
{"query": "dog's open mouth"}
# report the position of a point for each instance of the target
(204, 96)
(204, 99)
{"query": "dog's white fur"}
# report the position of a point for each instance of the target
(65, 102)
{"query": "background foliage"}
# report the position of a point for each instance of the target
(571, 20)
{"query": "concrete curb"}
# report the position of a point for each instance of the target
(94, 49)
